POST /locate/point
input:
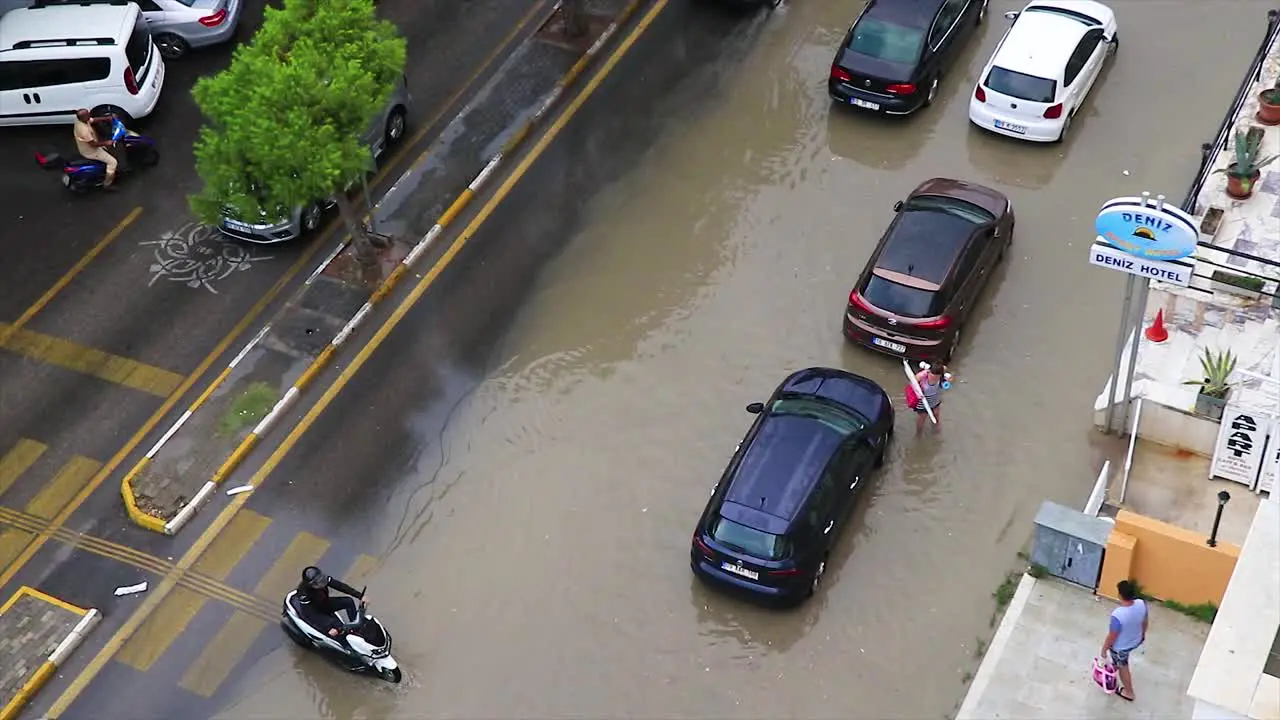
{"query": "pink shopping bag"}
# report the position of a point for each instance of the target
(1104, 674)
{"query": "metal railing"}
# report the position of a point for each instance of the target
(1133, 442)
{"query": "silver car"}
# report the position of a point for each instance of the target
(386, 130)
(177, 26)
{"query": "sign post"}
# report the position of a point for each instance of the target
(1147, 240)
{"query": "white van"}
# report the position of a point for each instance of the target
(55, 59)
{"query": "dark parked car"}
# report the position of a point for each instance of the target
(925, 276)
(781, 503)
(895, 52)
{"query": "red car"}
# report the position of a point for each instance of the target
(925, 276)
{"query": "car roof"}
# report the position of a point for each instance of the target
(779, 469)
(924, 244)
(1040, 43)
(908, 13)
(72, 22)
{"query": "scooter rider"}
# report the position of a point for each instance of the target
(91, 148)
(319, 605)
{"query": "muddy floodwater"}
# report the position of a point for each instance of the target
(550, 577)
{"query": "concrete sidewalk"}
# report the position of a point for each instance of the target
(1040, 660)
(181, 472)
(37, 633)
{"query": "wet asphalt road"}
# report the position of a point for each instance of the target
(528, 450)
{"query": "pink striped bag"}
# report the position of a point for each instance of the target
(1104, 674)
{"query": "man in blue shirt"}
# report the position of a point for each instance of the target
(1128, 631)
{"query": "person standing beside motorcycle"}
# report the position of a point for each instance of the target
(313, 596)
(91, 148)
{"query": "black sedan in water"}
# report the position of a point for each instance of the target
(782, 501)
(894, 54)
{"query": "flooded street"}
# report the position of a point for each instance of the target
(535, 551)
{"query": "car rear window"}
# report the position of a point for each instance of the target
(886, 41)
(1021, 86)
(139, 47)
(901, 299)
(756, 543)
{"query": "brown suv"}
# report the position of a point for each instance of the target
(925, 276)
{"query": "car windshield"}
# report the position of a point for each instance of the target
(886, 41)
(756, 543)
(1021, 86)
(900, 299)
(959, 208)
(838, 419)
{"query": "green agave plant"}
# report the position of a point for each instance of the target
(1246, 161)
(1217, 368)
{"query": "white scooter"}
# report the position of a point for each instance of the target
(364, 645)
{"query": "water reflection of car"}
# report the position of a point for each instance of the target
(1043, 69)
(782, 501)
(924, 277)
(385, 130)
(894, 54)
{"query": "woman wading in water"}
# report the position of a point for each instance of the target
(930, 381)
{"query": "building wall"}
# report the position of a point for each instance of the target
(1169, 562)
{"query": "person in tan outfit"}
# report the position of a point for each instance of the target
(91, 148)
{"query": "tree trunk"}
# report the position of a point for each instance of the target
(366, 252)
(575, 17)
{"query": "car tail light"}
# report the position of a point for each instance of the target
(938, 323)
(1054, 111)
(857, 301)
(979, 94)
(785, 572)
(902, 89)
(839, 73)
(130, 82)
(215, 19)
(706, 550)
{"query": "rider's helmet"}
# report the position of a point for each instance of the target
(314, 577)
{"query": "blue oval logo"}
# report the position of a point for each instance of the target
(1145, 231)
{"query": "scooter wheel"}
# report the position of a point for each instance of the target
(392, 676)
(149, 157)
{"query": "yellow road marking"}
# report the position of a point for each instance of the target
(235, 638)
(34, 594)
(167, 584)
(82, 359)
(12, 542)
(58, 492)
(181, 607)
(70, 275)
(18, 460)
(360, 570)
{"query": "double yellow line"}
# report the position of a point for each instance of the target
(189, 579)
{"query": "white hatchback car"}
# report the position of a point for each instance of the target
(1043, 68)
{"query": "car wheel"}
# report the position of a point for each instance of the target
(311, 218)
(1113, 47)
(952, 347)
(119, 112)
(880, 457)
(395, 126)
(933, 91)
(171, 46)
(1066, 126)
(816, 582)
(982, 12)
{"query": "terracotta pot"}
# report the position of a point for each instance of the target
(1241, 187)
(1269, 112)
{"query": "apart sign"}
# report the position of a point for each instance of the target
(1107, 256)
(1151, 231)
(1241, 439)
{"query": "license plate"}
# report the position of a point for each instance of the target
(740, 571)
(1002, 125)
(233, 225)
(888, 345)
(859, 102)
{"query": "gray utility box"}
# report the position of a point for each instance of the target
(1070, 544)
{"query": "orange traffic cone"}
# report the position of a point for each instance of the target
(1157, 332)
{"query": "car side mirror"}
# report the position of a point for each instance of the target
(897, 207)
(755, 408)
(1011, 15)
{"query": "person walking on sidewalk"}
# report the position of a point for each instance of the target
(1127, 632)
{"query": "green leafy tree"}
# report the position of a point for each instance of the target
(285, 119)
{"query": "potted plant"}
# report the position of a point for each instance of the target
(1269, 104)
(1246, 286)
(1214, 388)
(1246, 167)
(1210, 224)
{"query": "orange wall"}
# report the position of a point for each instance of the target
(1169, 562)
